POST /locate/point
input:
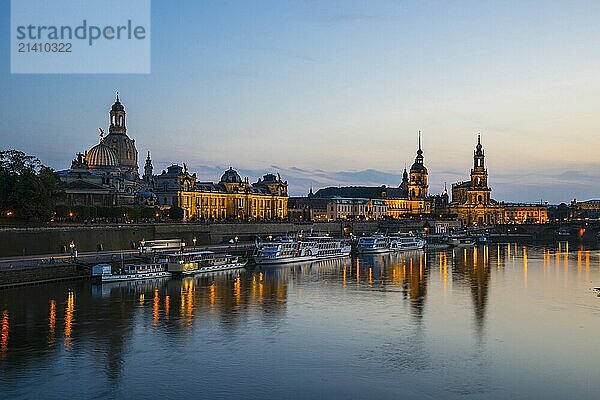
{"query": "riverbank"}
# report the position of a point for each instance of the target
(18, 241)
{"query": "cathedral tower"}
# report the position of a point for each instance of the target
(479, 176)
(417, 186)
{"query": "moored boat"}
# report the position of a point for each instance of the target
(403, 242)
(300, 249)
(384, 244)
(130, 272)
(197, 262)
(373, 244)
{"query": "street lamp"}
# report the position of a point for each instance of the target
(142, 243)
(182, 246)
(194, 240)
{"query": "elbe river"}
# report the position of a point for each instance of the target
(495, 322)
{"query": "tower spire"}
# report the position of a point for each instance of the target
(117, 96)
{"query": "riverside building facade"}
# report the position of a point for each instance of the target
(230, 199)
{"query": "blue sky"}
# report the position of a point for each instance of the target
(327, 91)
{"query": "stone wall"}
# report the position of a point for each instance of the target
(41, 274)
(55, 240)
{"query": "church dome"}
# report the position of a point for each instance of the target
(101, 157)
(231, 176)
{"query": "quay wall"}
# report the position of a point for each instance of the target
(22, 241)
(31, 241)
(29, 276)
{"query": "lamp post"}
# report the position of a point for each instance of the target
(142, 244)
(235, 239)
(194, 240)
(182, 246)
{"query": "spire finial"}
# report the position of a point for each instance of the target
(479, 138)
(419, 139)
(117, 96)
(148, 154)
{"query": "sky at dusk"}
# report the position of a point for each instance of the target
(334, 92)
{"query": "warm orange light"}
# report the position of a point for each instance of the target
(52, 321)
(155, 307)
(69, 318)
(4, 332)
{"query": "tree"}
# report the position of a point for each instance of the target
(27, 188)
(176, 213)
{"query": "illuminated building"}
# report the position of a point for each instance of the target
(522, 213)
(471, 200)
(585, 209)
(106, 174)
(409, 198)
(353, 208)
(230, 199)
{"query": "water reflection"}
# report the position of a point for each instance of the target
(107, 322)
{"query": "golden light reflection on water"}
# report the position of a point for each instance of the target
(525, 266)
(52, 321)
(167, 306)
(155, 307)
(237, 290)
(69, 311)
(4, 332)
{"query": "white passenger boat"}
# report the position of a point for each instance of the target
(403, 242)
(373, 244)
(131, 272)
(196, 262)
(385, 244)
(301, 249)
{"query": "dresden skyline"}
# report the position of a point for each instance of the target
(336, 93)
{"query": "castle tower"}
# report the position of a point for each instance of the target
(120, 143)
(417, 186)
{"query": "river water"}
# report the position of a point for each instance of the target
(496, 322)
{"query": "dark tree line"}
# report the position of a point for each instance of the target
(28, 189)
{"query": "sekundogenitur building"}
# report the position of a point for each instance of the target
(107, 175)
